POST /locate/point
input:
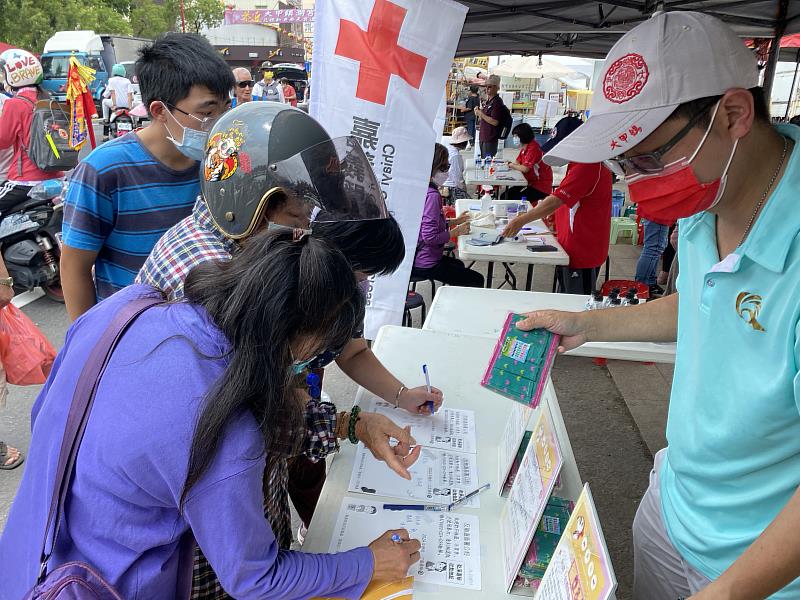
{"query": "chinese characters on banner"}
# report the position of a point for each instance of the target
(273, 17)
(380, 67)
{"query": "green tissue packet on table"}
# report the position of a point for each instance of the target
(521, 362)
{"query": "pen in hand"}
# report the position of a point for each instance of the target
(429, 404)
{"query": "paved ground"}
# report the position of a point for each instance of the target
(615, 415)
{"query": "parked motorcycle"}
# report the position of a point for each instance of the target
(30, 238)
(120, 123)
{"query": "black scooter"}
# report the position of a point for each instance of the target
(30, 239)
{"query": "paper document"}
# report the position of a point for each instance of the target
(580, 567)
(535, 229)
(509, 443)
(449, 429)
(450, 552)
(532, 487)
(438, 477)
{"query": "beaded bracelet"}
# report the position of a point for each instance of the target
(351, 430)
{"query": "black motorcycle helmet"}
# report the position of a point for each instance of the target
(261, 151)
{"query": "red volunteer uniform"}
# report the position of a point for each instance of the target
(583, 222)
(540, 176)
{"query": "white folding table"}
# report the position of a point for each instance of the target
(482, 312)
(456, 363)
(511, 252)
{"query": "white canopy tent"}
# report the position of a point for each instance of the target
(532, 67)
(590, 29)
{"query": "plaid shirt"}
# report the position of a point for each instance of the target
(193, 241)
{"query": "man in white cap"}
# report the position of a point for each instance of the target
(676, 111)
(489, 116)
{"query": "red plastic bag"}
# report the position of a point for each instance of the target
(26, 353)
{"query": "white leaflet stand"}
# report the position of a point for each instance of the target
(456, 363)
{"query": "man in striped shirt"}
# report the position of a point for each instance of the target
(127, 193)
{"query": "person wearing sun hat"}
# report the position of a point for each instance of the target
(455, 179)
(488, 117)
(582, 207)
(677, 113)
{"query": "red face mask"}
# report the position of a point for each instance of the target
(676, 192)
(667, 198)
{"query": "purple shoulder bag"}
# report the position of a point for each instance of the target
(77, 580)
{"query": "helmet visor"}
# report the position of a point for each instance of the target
(334, 179)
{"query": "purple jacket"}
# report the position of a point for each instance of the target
(122, 514)
(433, 232)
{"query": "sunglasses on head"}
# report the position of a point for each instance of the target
(653, 162)
(244, 84)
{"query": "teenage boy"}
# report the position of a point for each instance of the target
(677, 112)
(129, 191)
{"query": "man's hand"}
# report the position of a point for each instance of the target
(415, 400)
(571, 326)
(6, 294)
(514, 226)
(375, 431)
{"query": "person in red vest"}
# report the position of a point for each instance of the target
(529, 162)
(289, 93)
(582, 207)
(23, 74)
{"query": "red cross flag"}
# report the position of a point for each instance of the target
(380, 69)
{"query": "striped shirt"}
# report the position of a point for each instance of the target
(119, 202)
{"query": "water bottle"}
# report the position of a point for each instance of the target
(512, 210)
(486, 201)
(595, 301)
(523, 205)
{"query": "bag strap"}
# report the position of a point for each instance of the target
(19, 158)
(82, 400)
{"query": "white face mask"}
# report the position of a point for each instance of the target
(193, 142)
(516, 141)
(440, 178)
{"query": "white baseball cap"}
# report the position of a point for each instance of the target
(672, 58)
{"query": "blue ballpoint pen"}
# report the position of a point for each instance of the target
(429, 403)
(428, 507)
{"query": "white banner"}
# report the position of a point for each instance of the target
(379, 70)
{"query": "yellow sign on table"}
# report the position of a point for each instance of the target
(382, 590)
(580, 568)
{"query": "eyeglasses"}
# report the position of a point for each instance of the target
(652, 162)
(247, 83)
(206, 123)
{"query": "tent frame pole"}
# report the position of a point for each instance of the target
(791, 89)
(774, 49)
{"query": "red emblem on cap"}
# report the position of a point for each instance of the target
(625, 78)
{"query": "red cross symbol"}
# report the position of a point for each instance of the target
(379, 53)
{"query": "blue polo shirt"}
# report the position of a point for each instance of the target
(733, 460)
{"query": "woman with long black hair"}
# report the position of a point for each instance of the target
(195, 395)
